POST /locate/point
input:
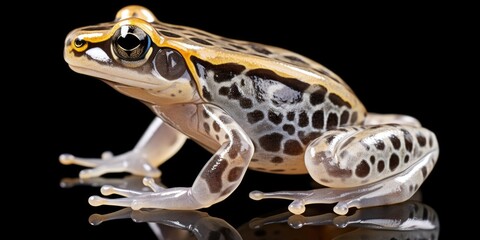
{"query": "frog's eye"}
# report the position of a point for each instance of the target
(130, 43)
(170, 64)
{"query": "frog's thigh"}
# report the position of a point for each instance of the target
(381, 164)
(364, 167)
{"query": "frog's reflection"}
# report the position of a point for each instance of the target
(408, 220)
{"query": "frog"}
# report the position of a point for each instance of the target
(252, 106)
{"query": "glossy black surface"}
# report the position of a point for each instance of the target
(387, 57)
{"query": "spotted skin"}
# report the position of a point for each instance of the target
(252, 106)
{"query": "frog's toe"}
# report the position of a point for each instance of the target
(68, 159)
(98, 201)
(297, 207)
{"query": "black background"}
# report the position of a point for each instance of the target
(396, 59)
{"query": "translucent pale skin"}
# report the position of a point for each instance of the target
(251, 105)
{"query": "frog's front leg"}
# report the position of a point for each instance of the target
(365, 166)
(158, 144)
(216, 181)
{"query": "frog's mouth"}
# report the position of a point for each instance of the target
(115, 77)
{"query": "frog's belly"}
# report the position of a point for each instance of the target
(277, 163)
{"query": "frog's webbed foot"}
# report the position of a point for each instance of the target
(131, 196)
(133, 162)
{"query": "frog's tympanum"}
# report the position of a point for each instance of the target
(253, 106)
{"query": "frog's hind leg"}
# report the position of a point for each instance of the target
(158, 144)
(365, 166)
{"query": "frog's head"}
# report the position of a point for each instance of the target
(131, 56)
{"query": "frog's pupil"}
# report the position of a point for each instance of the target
(131, 43)
(79, 42)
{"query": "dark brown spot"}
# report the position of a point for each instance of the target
(201, 41)
(238, 47)
(318, 96)
(421, 140)
(295, 59)
(344, 117)
(394, 161)
(321, 157)
(170, 34)
(330, 138)
(216, 127)
(354, 117)
(260, 49)
(380, 166)
(395, 141)
(349, 140)
(291, 116)
(325, 180)
(343, 154)
(337, 100)
(292, 147)
(222, 72)
(234, 174)
(235, 145)
(430, 141)
(205, 114)
(206, 94)
(217, 137)
(213, 173)
(332, 121)
(225, 119)
(379, 144)
(246, 102)
(306, 139)
(224, 91)
(271, 142)
(334, 169)
(234, 93)
(318, 119)
(274, 117)
(290, 129)
(231, 49)
(254, 160)
(277, 170)
(424, 172)
(363, 169)
(408, 140)
(276, 160)
(406, 159)
(255, 116)
(303, 119)
(372, 160)
(267, 74)
(206, 127)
